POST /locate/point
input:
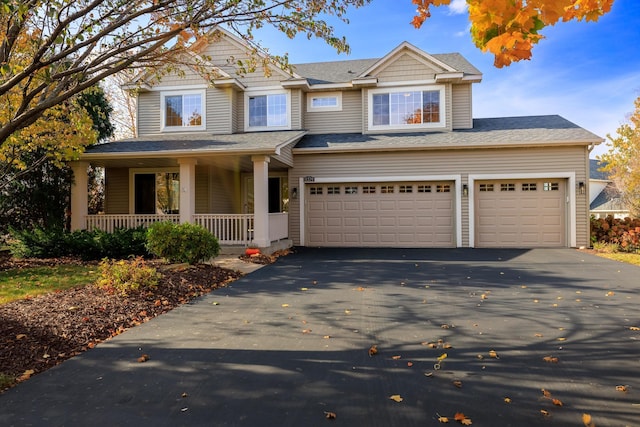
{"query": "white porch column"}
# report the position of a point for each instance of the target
(261, 201)
(79, 196)
(187, 189)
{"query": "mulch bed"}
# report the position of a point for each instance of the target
(41, 332)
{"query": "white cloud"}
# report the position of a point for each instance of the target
(458, 7)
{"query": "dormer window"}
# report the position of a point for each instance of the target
(407, 108)
(267, 111)
(183, 110)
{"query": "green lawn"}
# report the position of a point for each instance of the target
(20, 283)
(622, 257)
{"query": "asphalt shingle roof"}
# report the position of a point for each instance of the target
(197, 143)
(608, 200)
(346, 71)
(504, 131)
(594, 173)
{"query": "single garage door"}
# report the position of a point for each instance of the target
(520, 213)
(390, 214)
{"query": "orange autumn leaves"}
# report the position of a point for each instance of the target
(509, 28)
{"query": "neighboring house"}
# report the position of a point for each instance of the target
(380, 152)
(604, 196)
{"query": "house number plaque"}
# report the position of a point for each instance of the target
(309, 179)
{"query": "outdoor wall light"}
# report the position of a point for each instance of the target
(581, 188)
(465, 190)
(294, 193)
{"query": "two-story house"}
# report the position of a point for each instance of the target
(380, 152)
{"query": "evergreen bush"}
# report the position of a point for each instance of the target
(188, 243)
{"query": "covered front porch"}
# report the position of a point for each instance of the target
(235, 186)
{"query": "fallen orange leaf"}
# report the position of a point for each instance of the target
(330, 415)
(457, 383)
(143, 358)
(546, 393)
(545, 413)
(306, 331)
(443, 419)
(396, 357)
(634, 328)
(409, 364)
(493, 354)
(586, 419)
(550, 359)
(621, 388)
(459, 416)
(396, 398)
(557, 402)
(373, 350)
(507, 400)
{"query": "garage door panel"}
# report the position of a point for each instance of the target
(526, 217)
(403, 219)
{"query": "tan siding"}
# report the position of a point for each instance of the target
(238, 112)
(448, 107)
(461, 105)
(219, 108)
(116, 197)
(406, 68)
(202, 189)
(446, 162)
(296, 109)
(188, 77)
(148, 113)
(286, 155)
(224, 191)
(346, 121)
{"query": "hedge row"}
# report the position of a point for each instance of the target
(176, 243)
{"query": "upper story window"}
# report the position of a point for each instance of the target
(325, 101)
(183, 110)
(267, 111)
(407, 108)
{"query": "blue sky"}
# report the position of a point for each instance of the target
(588, 73)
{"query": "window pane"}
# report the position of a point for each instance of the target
(381, 109)
(277, 110)
(404, 108)
(168, 193)
(257, 111)
(431, 106)
(173, 110)
(192, 110)
(325, 101)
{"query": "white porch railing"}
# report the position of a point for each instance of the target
(278, 226)
(229, 229)
(110, 223)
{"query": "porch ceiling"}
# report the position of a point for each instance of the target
(231, 151)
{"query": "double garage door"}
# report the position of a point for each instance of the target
(520, 213)
(506, 213)
(387, 214)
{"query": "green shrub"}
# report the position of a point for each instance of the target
(37, 243)
(88, 245)
(182, 242)
(126, 276)
(607, 248)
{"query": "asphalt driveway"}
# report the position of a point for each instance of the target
(291, 342)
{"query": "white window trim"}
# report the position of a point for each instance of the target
(203, 106)
(443, 107)
(132, 184)
(247, 95)
(324, 95)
